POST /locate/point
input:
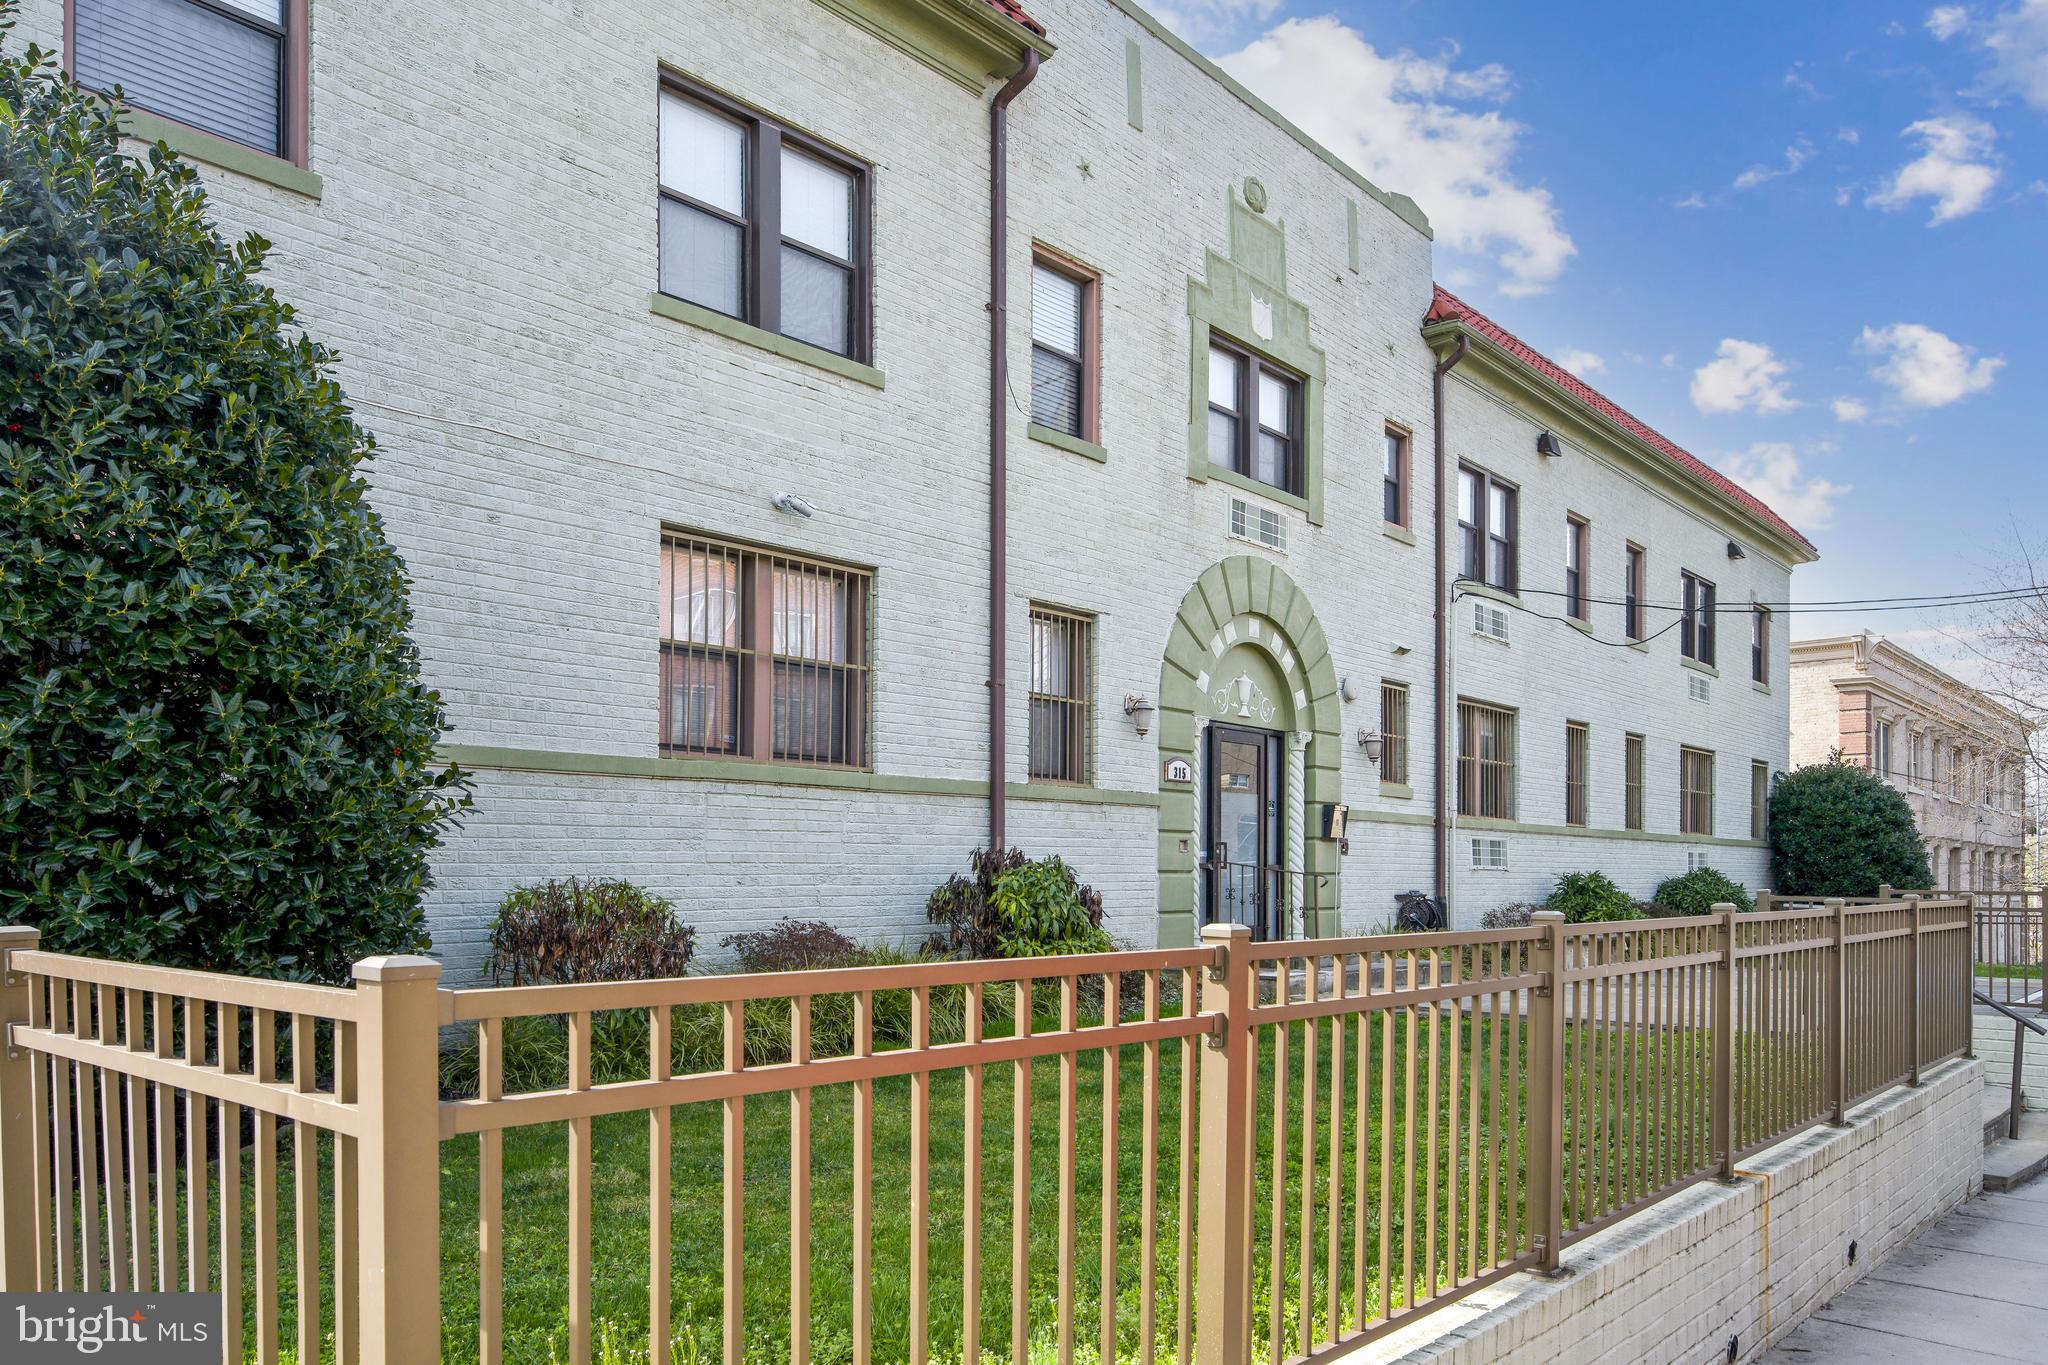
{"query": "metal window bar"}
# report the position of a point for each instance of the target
(1695, 791)
(1062, 718)
(1393, 733)
(1486, 761)
(1632, 782)
(1577, 740)
(703, 654)
(819, 644)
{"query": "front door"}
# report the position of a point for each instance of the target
(1244, 879)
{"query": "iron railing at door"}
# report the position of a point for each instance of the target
(1272, 902)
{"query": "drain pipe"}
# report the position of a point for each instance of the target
(1444, 714)
(998, 439)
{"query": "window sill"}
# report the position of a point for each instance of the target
(1073, 445)
(1393, 530)
(678, 310)
(1472, 587)
(1264, 490)
(1639, 646)
(1399, 791)
(1762, 689)
(1696, 666)
(1583, 627)
(219, 152)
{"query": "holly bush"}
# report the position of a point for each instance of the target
(1837, 830)
(1590, 897)
(1697, 893)
(215, 748)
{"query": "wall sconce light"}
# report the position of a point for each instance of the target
(1139, 708)
(1735, 551)
(792, 504)
(1346, 690)
(1547, 444)
(1373, 743)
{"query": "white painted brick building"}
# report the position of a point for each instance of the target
(467, 203)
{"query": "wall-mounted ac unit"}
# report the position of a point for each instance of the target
(1490, 621)
(1260, 525)
(1490, 855)
(1698, 687)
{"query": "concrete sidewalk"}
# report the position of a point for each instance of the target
(1975, 1285)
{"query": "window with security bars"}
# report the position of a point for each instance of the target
(1695, 791)
(762, 223)
(763, 655)
(1062, 348)
(1632, 782)
(1759, 798)
(1577, 742)
(1062, 663)
(1394, 733)
(222, 66)
(1486, 761)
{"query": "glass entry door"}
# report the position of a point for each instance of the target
(1243, 875)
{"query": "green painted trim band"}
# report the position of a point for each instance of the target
(219, 152)
(1394, 532)
(1351, 234)
(1487, 825)
(1134, 84)
(1264, 490)
(1054, 794)
(1073, 445)
(966, 41)
(680, 310)
(1398, 790)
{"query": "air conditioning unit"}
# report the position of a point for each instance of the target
(1492, 622)
(1698, 687)
(1259, 525)
(1490, 855)
(1695, 859)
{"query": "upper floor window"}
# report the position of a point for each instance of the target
(1063, 347)
(1486, 760)
(1881, 749)
(1760, 644)
(762, 223)
(1696, 629)
(1254, 417)
(1394, 478)
(1487, 529)
(233, 68)
(1632, 593)
(763, 655)
(1062, 649)
(1576, 600)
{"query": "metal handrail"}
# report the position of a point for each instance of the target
(2019, 1047)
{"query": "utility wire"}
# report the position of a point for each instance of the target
(1836, 606)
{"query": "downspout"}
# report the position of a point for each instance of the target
(1443, 630)
(998, 439)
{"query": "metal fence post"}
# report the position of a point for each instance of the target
(18, 1193)
(1223, 1324)
(1723, 1117)
(399, 1162)
(1546, 1090)
(1913, 1005)
(1837, 1015)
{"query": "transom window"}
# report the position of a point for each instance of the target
(762, 223)
(1394, 733)
(1254, 417)
(1394, 478)
(1695, 791)
(1696, 629)
(763, 655)
(222, 66)
(1063, 361)
(1062, 657)
(1577, 602)
(1487, 529)
(1486, 760)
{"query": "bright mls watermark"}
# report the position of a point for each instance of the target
(146, 1329)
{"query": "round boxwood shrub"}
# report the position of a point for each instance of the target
(1837, 830)
(1590, 897)
(215, 749)
(1699, 891)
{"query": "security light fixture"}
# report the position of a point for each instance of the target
(1735, 551)
(791, 503)
(1373, 742)
(1139, 708)
(1547, 444)
(1345, 689)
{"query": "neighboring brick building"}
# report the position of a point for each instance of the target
(708, 599)
(1959, 757)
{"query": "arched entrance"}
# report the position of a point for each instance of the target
(1249, 757)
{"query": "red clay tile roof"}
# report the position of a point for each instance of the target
(1448, 307)
(1010, 9)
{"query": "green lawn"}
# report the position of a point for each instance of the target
(2009, 969)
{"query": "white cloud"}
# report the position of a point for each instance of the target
(1208, 22)
(1744, 377)
(1926, 368)
(2017, 43)
(1956, 168)
(1850, 410)
(1796, 156)
(1848, 137)
(1580, 363)
(1695, 200)
(1404, 121)
(1795, 79)
(1772, 471)
(1946, 21)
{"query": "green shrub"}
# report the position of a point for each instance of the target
(1837, 830)
(1698, 892)
(573, 931)
(1590, 897)
(1011, 905)
(215, 748)
(793, 945)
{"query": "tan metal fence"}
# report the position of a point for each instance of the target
(2010, 942)
(1230, 1152)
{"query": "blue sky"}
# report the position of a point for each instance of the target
(1806, 241)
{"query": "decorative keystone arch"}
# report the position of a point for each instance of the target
(1237, 602)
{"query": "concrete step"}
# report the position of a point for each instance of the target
(2011, 1162)
(1996, 1102)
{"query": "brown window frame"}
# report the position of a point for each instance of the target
(759, 673)
(1698, 601)
(1634, 575)
(1578, 543)
(1090, 359)
(1477, 538)
(1395, 487)
(1242, 456)
(761, 239)
(1075, 764)
(1393, 733)
(294, 105)
(1634, 749)
(1759, 798)
(1486, 782)
(1695, 803)
(1760, 645)
(1578, 754)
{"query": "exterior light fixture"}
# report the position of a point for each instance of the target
(1547, 444)
(1735, 551)
(1346, 690)
(1372, 741)
(791, 503)
(1139, 708)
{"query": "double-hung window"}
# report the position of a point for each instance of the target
(1696, 630)
(762, 223)
(1487, 529)
(1632, 593)
(1394, 478)
(1695, 791)
(1062, 650)
(1063, 382)
(1760, 644)
(233, 68)
(1255, 417)
(1486, 760)
(763, 655)
(1577, 602)
(1394, 733)
(1577, 746)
